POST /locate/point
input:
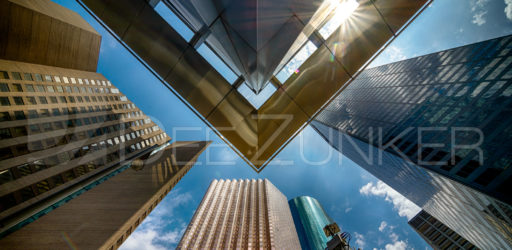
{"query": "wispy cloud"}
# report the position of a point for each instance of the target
(479, 18)
(383, 226)
(403, 205)
(508, 9)
(397, 245)
(348, 209)
(160, 230)
(479, 11)
(360, 242)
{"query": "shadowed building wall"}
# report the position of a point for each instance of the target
(436, 234)
(104, 216)
(241, 214)
(44, 32)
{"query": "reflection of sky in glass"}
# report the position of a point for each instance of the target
(174, 21)
(257, 100)
(217, 63)
(342, 12)
(296, 61)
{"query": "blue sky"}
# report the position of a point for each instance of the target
(373, 213)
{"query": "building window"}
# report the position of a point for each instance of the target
(4, 101)
(4, 87)
(28, 77)
(39, 78)
(48, 78)
(53, 99)
(4, 75)
(4, 116)
(18, 100)
(19, 115)
(31, 100)
(40, 88)
(30, 88)
(5, 133)
(16, 75)
(17, 87)
(43, 100)
(32, 114)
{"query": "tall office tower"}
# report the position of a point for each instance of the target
(422, 126)
(59, 126)
(108, 210)
(310, 219)
(255, 71)
(241, 214)
(436, 234)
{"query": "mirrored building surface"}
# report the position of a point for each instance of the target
(218, 55)
(436, 128)
(436, 234)
(310, 219)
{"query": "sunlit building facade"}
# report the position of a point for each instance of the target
(310, 219)
(437, 129)
(436, 234)
(241, 214)
(61, 123)
(103, 213)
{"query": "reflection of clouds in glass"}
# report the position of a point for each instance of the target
(296, 61)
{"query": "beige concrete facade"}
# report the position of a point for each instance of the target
(104, 216)
(80, 125)
(241, 214)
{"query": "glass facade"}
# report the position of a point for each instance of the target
(436, 128)
(438, 235)
(310, 219)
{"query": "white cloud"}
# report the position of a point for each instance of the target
(154, 233)
(395, 54)
(398, 245)
(508, 9)
(478, 18)
(383, 226)
(403, 205)
(359, 240)
(348, 209)
(393, 236)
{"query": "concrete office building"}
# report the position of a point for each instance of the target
(436, 234)
(61, 123)
(407, 123)
(104, 213)
(310, 219)
(241, 214)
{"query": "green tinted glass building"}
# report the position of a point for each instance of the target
(310, 218)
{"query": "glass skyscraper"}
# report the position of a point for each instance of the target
(310, 218)
(436, 128)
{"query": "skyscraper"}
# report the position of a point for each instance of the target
(310, 219)
(436, 234)
(241, 214)
(104, 213)
(61, 123)
(294, 55)
(436, 128)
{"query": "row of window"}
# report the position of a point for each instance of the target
(17, 87)
(32, 113)
(49, 78)
(34, 100)
(29, 192)
(66, 156)
(35, 146)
